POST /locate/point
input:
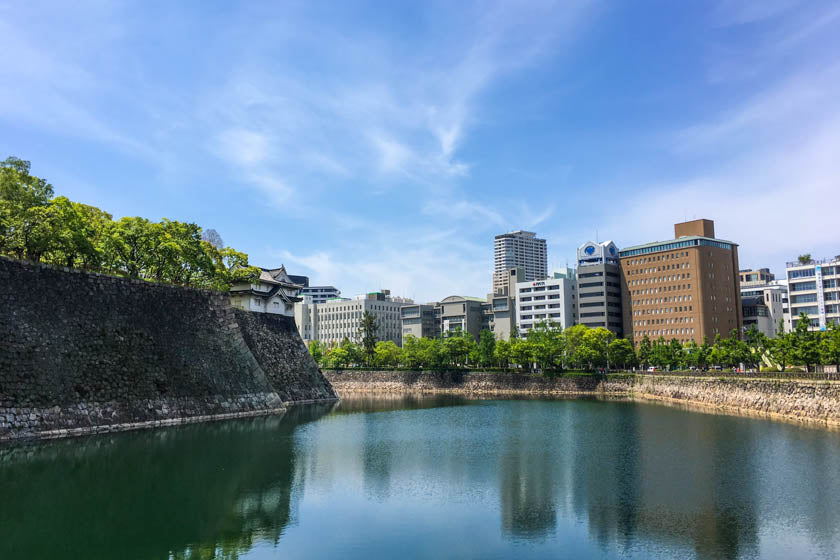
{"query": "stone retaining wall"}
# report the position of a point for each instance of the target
(817, 401)
(474, 383)
(792, 399)
(82, 352)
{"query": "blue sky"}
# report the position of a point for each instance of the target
(383, 144)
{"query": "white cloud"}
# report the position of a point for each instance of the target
(425, 268)
(775, 182)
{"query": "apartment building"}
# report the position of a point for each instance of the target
(518, 249)
(814, 289)
(553, 300)
(599, 287)
(333, 321)
(687, 288)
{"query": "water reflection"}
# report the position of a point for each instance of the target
(429, 477)
(191, 492)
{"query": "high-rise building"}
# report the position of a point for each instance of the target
(518, 249)
(814, 288)
(551, 300)
(337, 319)
(599, 286)
(687, 288)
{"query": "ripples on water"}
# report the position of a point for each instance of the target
(432, 477)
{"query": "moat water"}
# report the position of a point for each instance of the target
(432, 478)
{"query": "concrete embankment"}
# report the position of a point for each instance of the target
(813, 401)
(85, 353)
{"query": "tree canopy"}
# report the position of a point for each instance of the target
(38, 226)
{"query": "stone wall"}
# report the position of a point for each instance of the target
(476, 383)
(817, 401)
(792, 399)
(276, 344)
(83, 352)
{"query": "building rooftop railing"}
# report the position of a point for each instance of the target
(830, 260)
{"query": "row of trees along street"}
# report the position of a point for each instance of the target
(36, 225)
(579, 348)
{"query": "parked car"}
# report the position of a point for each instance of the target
(651, 369)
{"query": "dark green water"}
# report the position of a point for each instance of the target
(432, 478)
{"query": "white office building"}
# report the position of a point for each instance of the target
(321, 294)
(518, 249)
(814, 289)
(551, 299)
(764, 306)
(333, 321)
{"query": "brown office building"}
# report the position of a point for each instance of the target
(686, 288)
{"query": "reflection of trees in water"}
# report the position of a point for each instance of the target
(201, 491)
(355, 404)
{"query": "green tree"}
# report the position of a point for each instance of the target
(522, 353)
(316, 350)
(704, 354)
(756, 345)
(660, 355)
(783, 349)
(645, 352)
(338, 357)
(547, 343)
(592, 352)
(572, 339)
(387, 354)
(486, 347)
(804, 259)
(691, 354)
(431, 353)
(229, 267)
(830, 345)
(806, 343)
(675, 354)
(501, 353)
(411, 352)
(355, 355)
(457, 347)
(23, 202)
(621, 353)
(367, 335)
(128, 244)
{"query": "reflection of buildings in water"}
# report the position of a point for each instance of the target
(177, 492)
(377, 458)
(528, 471)
(701, 497)
(605, 469)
